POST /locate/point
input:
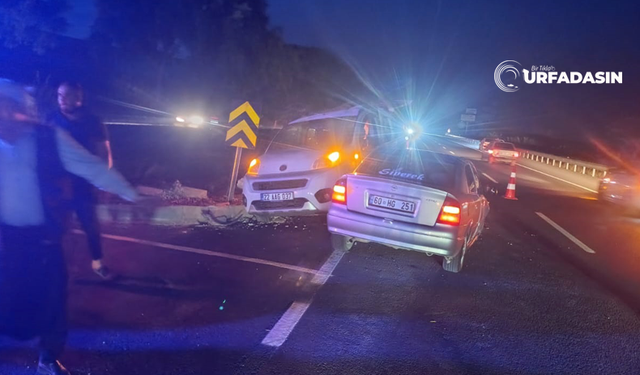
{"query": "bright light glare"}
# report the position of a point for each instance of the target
(339, 197)
(253, 166)
(334, 156)
(196, 120)
(451, 210)
(179, 119)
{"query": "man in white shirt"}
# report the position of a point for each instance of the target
(34, 164)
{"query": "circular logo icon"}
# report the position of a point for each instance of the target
(283, 167)
(507, 75)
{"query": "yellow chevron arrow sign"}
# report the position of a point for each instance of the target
(246, 129)
(241, 135)
(245, 107)
(243, 128)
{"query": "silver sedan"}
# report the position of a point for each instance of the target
(412, 200)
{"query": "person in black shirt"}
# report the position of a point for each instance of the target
(91, 133)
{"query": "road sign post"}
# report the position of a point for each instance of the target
(234, 174)
(243, 133)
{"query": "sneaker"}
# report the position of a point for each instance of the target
(52, 368)
(104, 272)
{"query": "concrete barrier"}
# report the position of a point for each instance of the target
(167, 215)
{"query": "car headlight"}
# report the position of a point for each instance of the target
(254, 167)
(327, 161)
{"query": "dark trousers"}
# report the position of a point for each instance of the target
(33, 288)
(84, 205)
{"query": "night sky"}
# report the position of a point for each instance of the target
(442, 54)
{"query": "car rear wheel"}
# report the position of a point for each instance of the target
(455, 263)
(341, 243)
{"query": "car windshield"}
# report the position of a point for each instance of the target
(418, 167)
(318, 135)
(504, 146)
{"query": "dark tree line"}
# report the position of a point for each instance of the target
(163, 54)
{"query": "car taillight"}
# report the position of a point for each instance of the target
(450, 212)
(340, 192)
(516, 154)
(490, 151)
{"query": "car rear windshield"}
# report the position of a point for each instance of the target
(422, 168)
(504, 146)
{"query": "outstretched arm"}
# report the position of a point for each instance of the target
(82, 163)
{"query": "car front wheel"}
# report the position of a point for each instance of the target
(341, 243)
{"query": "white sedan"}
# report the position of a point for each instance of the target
(412, 200)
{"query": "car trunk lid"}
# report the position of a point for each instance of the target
(394, 200)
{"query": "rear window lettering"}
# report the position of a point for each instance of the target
(422, 169)
(399, 173)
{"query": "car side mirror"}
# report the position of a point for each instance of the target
(490, 190)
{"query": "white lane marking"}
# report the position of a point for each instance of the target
(283, 328)
(566, 234)
(452, 153)
(490, 178)
(327, 268)
(209, 253)
(559, 179)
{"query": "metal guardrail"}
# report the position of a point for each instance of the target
(568, 164)
(467, 142)
(576, 166)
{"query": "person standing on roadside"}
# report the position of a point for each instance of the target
(91, 133)
(35, 163)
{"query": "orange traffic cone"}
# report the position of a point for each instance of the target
(511, 187)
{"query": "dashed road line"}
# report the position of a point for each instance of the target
(566, 234)
(283, 328)
(490, 178)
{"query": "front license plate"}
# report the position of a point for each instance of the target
(392, 204)
(276, 197)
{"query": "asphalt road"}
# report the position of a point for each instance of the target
(275, 299)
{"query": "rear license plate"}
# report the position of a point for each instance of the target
(392, 204)
(276, 197)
